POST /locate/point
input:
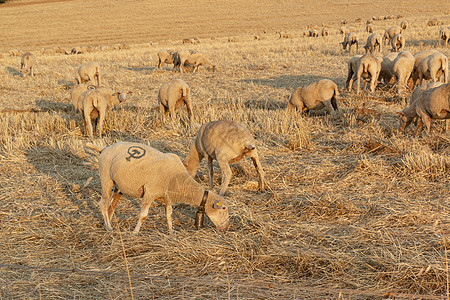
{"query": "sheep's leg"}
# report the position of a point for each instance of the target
(189, 110)
(226, 176)
(210, 171)
(115, 199)
(107, 185)
(145, 206)
(169, 217)
(100, 125)
(259, 169)
(419, 125)
(87, 119)
(172, 113)
(31, 71)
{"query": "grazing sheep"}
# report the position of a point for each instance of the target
(316, 95)
(93, 108)
(344, 30)
(27, 62)
(166, 56)
(350, 39)
(351, 73)
(368, 66)
(325, 31)
(284, 34)
(403, 67)
(398, 42)
(232, 39)
(88, 72)
(431, 101)
(15, 52)
(444, 36)
(77, 50)
(257, 37)
(404, 25)
(227, 142)
(369, 28)
(387, 68)
(75, 93)
(434, 22)
(390, 33)
(191, 41)
(194, 58)
(417, 58)
(432, 67)
(314, 33)
(138, 170)
(373, 42)
(172, 95)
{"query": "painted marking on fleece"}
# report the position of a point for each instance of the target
(135, 152)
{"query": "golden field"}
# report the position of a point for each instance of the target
(353, 209)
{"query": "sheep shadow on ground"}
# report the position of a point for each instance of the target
(266, 104)
(13, 71)
(50, 106)
(139, 69)
(291, 82)
(420, 43)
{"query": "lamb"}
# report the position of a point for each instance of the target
(444, 35)
(403, 67)
(138, 170)
(227, 142)
(387, 68)
(398, 42)
(172, 95)
(93, 108)
(88, 72)
(325, 31)
(316, 95)
(26, 64)
(390, 33)
(373, 42)
(368, 66)
(166, 56)
(350, 39)
(369, 28)
(194, 58)
(431, 102)
(404, 25)
(432, 66)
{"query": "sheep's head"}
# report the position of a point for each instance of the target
(404, 121)
(122, 95)
(217, 211)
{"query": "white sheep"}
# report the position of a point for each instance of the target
(351, 73)
(94, 108)
(27, 63)
(350, 39)
(368, 66)
(434, 22)
(325, 31)
(444, 36)
(166, 56)
(88, 72)
(369, 28)
(172, 95)
(431, 102)
(193, 58)
(227, 142)
(75, 93)
(387, 68)
(404, 25)
(138, 170)
(284, 34)
(432, 67)
(344, 30)
(390, 32)
(403, 67)
(398, 42)
(112, 98)
(373, 42)
(316, 95)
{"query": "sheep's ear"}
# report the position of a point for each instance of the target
(115, 94)
(185, 164)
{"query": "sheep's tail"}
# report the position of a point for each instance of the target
(185, 91)
(97, 148)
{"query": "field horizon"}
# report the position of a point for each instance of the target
(353, 208)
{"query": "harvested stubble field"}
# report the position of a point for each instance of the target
(354, 210)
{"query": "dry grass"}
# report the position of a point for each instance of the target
(354, 209)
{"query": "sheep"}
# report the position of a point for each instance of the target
(191, 41)
(351, 73)
(404, 25)
(75, 93)
(390, 32)
(316, 95)
(367, 66)
(47, 51)
(77, 50)
(434, 22)
(344, 30)
(398, 42)
(373, 42)
(432, 66)
(232, 39)
(15, 52)
(27, 62)
(403, 67)
(314, 33)
(444, 36)
(430, 102)
(138, 170)
(258, 37)
(284, 34)
(112, 98)
(93, 108)
(350, 39)
(88, 72)
(325, 31)
(192, 57)
(227, 142)
(417, 58)
(166, 56)
(172, 95)
(369, 28)
(387, 68)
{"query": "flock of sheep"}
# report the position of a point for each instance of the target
(138, 170)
